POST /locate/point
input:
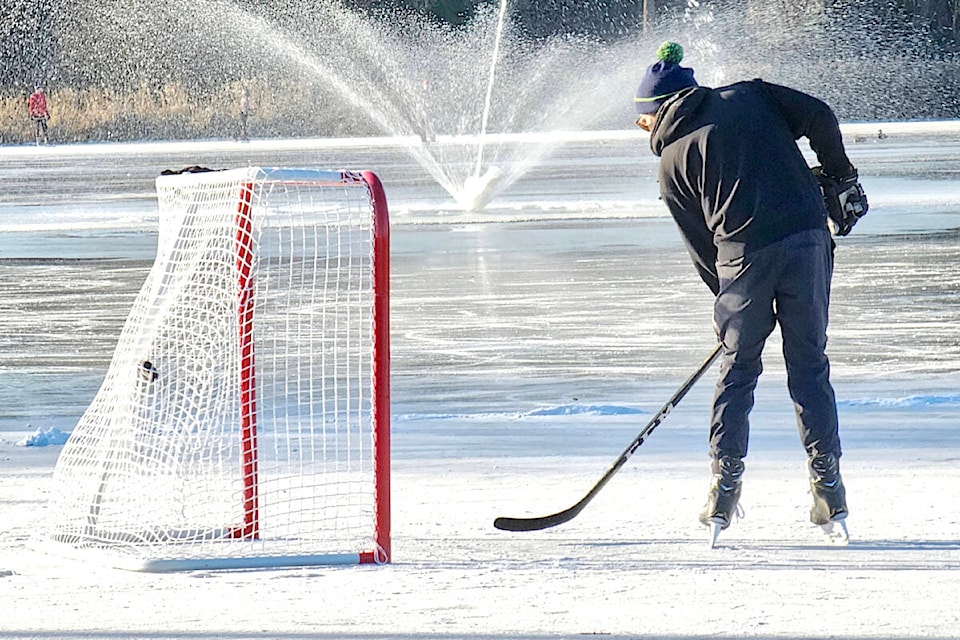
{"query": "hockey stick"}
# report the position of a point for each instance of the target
(545, 522)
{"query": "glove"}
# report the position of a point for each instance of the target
(845, 200)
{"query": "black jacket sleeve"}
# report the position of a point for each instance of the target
(699, 246)
(811, 118)
(684, 206)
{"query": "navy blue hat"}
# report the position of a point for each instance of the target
(663, 78)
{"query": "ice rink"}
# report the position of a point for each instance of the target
(531, 342)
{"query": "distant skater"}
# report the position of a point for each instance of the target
(244, 112)
(37, 106)
(427, 134)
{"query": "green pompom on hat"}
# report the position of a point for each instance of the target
(663, 78)
(670, 52)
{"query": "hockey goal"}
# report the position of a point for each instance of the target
(244, 419)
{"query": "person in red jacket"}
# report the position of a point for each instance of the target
(37, 106)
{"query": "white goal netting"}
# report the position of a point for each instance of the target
(244, 418)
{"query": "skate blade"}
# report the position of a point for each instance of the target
(836, 532)
(714, 528)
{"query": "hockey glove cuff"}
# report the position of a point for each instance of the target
(845, 200)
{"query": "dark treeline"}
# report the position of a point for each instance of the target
(30, 30)
(540, 18)
(27, 40)
(174, 69)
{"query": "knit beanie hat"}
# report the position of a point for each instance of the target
(663, 78)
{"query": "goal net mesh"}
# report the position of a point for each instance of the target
(243, 418)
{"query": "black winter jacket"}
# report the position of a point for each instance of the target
(731, 172)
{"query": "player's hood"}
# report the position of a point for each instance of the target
(677, 117)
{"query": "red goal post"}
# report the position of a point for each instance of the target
(244, 420)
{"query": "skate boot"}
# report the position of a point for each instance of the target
(724, 496)
(829, 496)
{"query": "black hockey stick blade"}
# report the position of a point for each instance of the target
(545, 522)
(554, 519)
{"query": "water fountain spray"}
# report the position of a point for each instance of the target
(479, 105)
(478, 187)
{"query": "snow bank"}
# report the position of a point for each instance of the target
(44, 437)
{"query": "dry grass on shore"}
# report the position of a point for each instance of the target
(171, 112)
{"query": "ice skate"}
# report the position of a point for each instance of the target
(829, 510)
(724, 496)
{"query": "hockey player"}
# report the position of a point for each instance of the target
(755, 222)
(37, 107)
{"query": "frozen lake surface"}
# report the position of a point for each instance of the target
(530, 343)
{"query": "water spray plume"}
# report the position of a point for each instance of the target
(491, 78)
(479, 105)
(454, 96)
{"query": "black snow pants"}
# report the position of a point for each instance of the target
(786, 283)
